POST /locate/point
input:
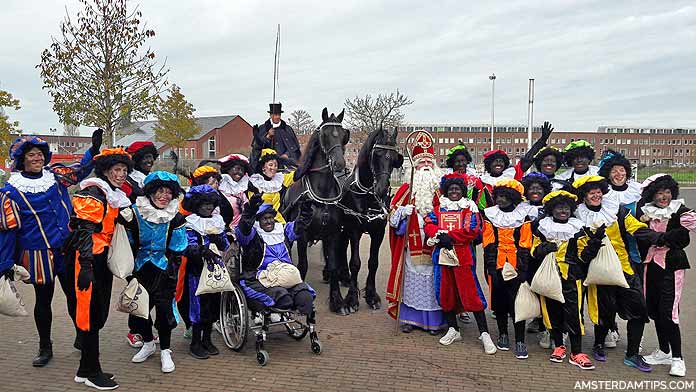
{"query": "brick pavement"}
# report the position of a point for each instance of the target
(360, 353)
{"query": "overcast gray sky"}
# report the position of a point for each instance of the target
(595, 62)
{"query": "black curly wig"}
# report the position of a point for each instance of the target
(558, 200)
(102, 164)
(568, 156)
(264, 159)
(488, 161)
(151, 187)
(446, 182)
(463, 151)
(616, 159)
(546, 151)
(588, 186)
(140, 154)
(663, 182)
(225, 167)
(536, 178)
(509, 193)
(194, 201)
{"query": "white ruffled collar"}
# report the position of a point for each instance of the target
(32, 185)
(205, 226)
(555, 231)
(138, 176)
(536, 209)
(156, 215)
(627, 196)
(273, 185)
(275, 236)
(508, 173)
(654, 212)
(606, 215)
(458, 205)
(231, 187)
(512, 219)
(115, 197)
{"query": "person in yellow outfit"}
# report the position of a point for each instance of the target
(269, 183)
(602, 217)
(557, 233)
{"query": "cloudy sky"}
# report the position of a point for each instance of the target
(595, 62)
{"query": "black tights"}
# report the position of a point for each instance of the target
(43, 314)
(480, 318)
(502, 321)
(669, 337)
(634, 331)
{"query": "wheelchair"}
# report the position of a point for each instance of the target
(237, 319)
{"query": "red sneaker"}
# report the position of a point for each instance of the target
(582, 361)
(134, 340)
(558, 354)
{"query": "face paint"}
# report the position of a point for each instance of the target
(454, 192)
(503, 201)
(593, 198)
(662, 198)
(617, 175)
(236, 172)
(561, 212)
(460, 163)
(206, 210)
(497, 166)
(267, 222)
(549, 165)
(535, 192)
(162, 197)
(117, 174)
(146, 163)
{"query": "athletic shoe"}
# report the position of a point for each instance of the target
(545, 339)
(450, 337)
(197, 351)
(155, 338)
(582, 361)
(135, 340)
(640, 345)
(503, 342)
(217, 327)
(144, 353)
(188, 333)
(488, 346)
(637, 362)
(101, 382)
(81, 380)
(521, 350)
(678, 368)
(599, 353)
(658, 358)
(167, 363)
(610, 340)
(558, 354)
(465, 318)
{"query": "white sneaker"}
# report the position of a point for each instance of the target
(544, 339)
(658, 358)
(640, 345)
(678, 368)
(167, 363)
(488, 346)
(145, 352)
(610, 340)
(217, 327)
(450, 337)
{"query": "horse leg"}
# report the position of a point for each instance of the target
(353, 296)
(302, 262)
(342, 257)
(336, 301)
(371, 297)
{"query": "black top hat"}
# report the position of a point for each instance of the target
(275, 108)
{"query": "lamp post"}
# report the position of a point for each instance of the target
(492, 79)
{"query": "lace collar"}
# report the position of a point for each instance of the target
(508, 173)
(115, 197)
(32, 185)
(606, 215)
(536, 209)
(458, 205)
(654, 212)
(205, 226)
(231, 187)
(512, 219)
(570, 174)
(555, 231)
(273, 185)
(628, 196)
(138, 176)
(275, 236)
(156, 215)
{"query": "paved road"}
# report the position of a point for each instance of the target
(360, 353)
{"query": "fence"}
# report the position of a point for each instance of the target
(683, 175)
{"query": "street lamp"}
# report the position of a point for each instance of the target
(492, 79)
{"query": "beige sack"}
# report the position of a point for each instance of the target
(547, 280)
(527, 305)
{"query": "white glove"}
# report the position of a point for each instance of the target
(127, 214)
(408, 209)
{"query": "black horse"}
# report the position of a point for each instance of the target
(366, 202)
(322, 159)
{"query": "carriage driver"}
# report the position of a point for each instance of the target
(278, 135)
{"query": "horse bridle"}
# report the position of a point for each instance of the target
(329, 165)
(327, 151)
(356, 180)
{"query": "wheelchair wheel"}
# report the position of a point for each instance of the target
(262, 357)
(297, 330)
(234, 318)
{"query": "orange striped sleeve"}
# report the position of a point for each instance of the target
(526, 235)
(88, 208)
(10, 214)
(488, 233)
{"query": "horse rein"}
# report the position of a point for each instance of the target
(312, 194)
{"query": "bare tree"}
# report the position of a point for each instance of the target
(71, 130)
(101, 71)
(301, 122)
(368, 113)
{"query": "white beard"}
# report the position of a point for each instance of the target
(425, 182)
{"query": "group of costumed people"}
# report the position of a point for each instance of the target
(174, 236)
(438, 222)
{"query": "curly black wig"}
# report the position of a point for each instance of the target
(613, 158)
(103, 164)
(536, 178)
(462, 151)
(488, 161)
(193, 201)
(151, 187)
(447, 182)
(140, 154)
(588, 152)
(225, 167)
(546, 151)
(507, 192)
(558, 200)
(588, 186)
(264, 159)
(663, 182)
